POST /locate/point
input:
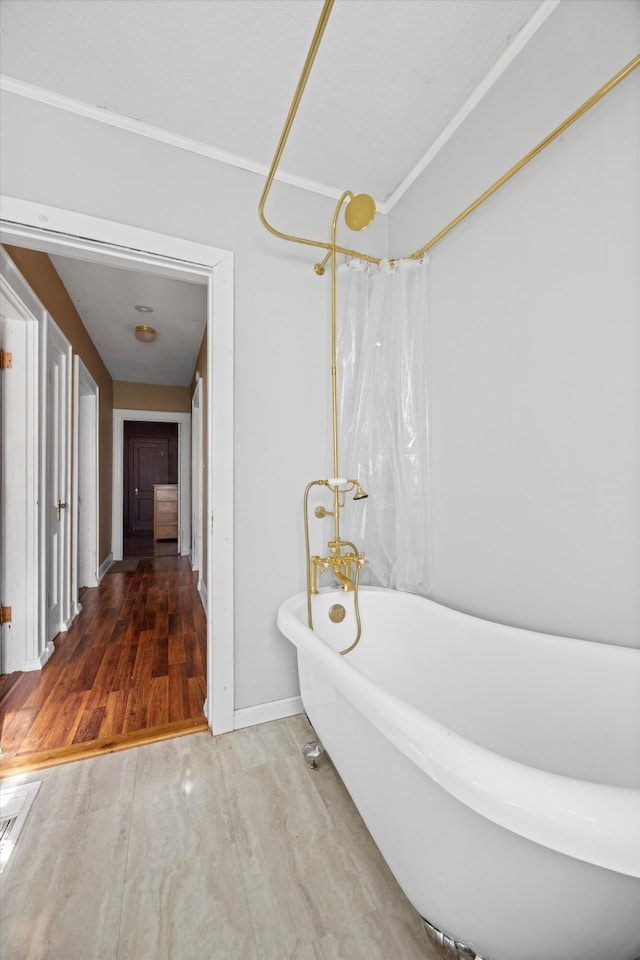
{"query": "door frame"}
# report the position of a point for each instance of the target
(184, 469)
(55, 230)
(23, 644)
(85, 462)
(196, 480)
(53, 335)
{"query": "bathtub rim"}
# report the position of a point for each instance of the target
(592, 822)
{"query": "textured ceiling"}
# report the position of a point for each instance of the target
(389, 76)
(106, 297)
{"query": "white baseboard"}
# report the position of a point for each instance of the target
(48, 650)
(104, 566)
(264, 712)
(27, 666)
(202, 591)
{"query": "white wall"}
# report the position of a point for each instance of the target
(282, 334)
(535, 413)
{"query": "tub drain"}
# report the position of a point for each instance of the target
(337, 613)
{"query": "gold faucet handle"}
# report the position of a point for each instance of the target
(358, 558)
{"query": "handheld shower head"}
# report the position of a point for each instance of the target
(359, 494)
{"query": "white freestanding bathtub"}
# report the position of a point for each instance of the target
(496, 768)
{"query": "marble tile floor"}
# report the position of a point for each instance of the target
(202, 848)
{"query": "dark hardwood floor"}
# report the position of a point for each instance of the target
(133, 662)
(143, 545)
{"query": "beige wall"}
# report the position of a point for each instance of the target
(40, 274)
(150, 396)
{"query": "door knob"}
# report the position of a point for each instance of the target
(136, 491)
(61, 506)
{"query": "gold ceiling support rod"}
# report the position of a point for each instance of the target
(284, 136)
(333, 247)
(598, 95)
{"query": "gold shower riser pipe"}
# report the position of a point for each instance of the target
(334, 248)
(334, 357)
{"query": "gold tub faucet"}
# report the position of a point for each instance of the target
(340, 565)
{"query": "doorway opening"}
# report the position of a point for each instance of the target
(71, 234)
(150, 484)
(161, 442)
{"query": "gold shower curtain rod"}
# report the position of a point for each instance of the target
(334, 248)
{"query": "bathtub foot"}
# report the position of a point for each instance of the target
(311, 752)
(450, 949)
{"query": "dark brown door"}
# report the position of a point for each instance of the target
(148, 465)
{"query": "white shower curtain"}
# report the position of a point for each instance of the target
(382, 340)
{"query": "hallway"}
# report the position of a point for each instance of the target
(131, 669)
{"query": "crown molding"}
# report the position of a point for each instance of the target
(52, 99)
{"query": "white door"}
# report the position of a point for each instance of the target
(87, 491)
(11, 487)
(3, 459)
(5, 344)
(20, 646)
(85, 485)
(58, 481)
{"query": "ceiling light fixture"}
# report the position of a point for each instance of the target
(141, 308)
(145, 334)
